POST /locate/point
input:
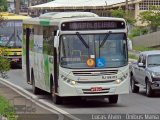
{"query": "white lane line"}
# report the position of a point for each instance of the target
(21, 91)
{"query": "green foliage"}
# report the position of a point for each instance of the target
(4, 63)
(4, 109)
(132, 56)
(3, 5)
(120, 13)
(2, 19)
(151, 17)
(142, 48)
(137, 31)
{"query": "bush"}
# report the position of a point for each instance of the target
(132, 56)
(137, 32)
(4, 64)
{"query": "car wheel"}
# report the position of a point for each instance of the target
(113, 99)
(134, 88)
(149, 91)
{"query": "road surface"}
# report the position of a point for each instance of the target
(128, 104)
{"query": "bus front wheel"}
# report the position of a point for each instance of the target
(34, 88)
(113, 99)
(56, 99)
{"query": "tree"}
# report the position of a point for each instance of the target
(3, 5)
(4, 66)
(4, 63)
(122, 14)
(151, 17)
(2, 21)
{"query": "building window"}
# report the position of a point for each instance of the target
(145, 5)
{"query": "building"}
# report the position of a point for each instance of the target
(37, 2)
(134, 7)
(10, 4)
(21, 6)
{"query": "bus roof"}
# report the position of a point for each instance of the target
(11, 16)
(55, 18)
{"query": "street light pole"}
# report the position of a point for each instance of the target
(126, 7)
(17, 6)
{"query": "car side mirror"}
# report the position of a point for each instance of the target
(141, 65)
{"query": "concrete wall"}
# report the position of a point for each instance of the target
(149, 40)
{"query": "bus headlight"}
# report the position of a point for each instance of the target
(118, 81)
(72, 82)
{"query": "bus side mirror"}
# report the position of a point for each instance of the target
(56, 41)
(129, 44)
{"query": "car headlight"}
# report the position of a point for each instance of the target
(155, 74)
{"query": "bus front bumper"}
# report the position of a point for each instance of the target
(95, 89)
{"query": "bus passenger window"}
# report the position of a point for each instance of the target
(48, 40)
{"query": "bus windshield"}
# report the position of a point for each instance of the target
(11, 34)
(109, 50)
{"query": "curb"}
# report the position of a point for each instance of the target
(42, 103)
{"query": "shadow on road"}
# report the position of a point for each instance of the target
(16, 66)
(89, 103)
(155, 95)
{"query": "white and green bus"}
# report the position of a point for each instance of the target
(76, 54)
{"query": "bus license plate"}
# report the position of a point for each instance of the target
(96, 89)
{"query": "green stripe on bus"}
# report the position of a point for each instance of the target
(44, 22)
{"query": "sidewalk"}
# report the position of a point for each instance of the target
(25, 108)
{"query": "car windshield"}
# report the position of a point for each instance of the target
(11, 34)
(103, 50)
(153, 60)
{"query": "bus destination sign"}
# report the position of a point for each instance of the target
(92, 25)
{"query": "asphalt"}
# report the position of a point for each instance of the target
(25, 108)
(133, 103)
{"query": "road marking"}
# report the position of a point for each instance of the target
(52, 108)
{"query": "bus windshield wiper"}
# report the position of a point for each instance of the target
(83, 41)
(105, 39)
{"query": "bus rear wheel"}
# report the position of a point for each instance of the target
(113, 99)
(56, 99)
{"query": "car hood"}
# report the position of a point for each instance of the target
(155, 69)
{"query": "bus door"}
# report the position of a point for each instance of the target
(55, 55)
(27, 55)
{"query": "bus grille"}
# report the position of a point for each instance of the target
(88, 91)
(95, 73)
(89, 82)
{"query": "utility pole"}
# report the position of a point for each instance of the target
(126, 7)
(17, 6)
(29, 4)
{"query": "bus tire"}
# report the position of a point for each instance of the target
(56, 99)
(113, 99)
(35, 90)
